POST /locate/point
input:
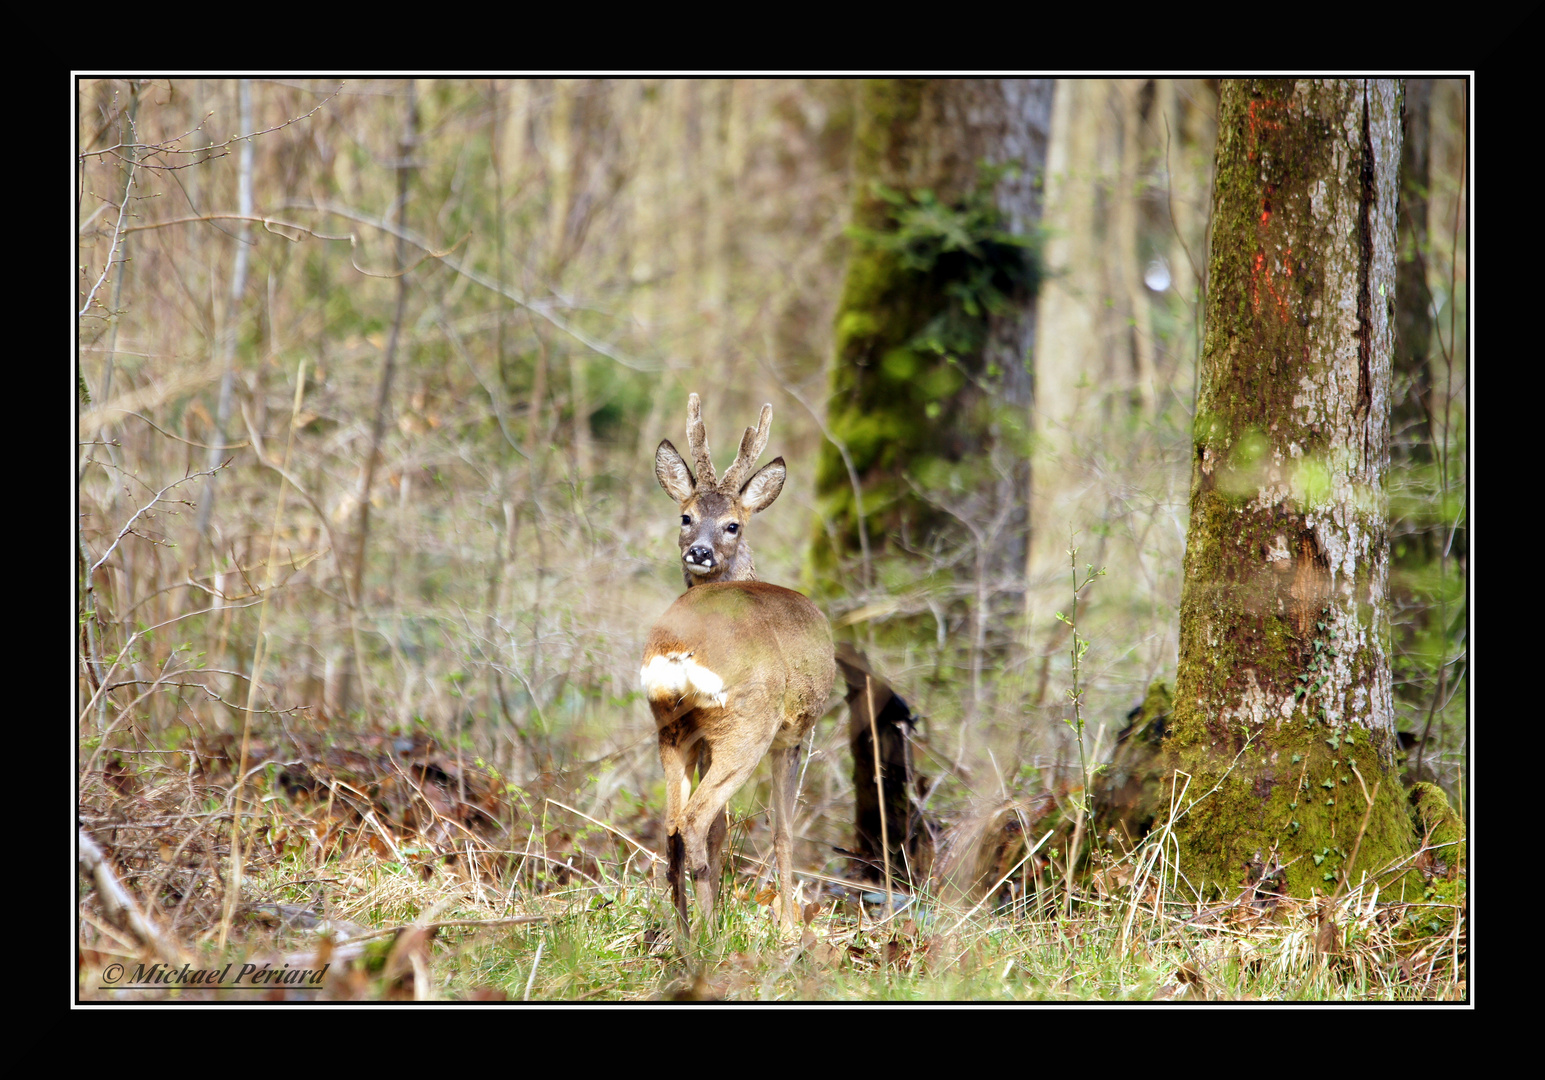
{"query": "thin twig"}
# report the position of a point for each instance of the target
(540, 308)
(847, 462)
(535, 960)
(118, 234)
(879, 789)
(997, 884)
(90, 573)
(616, 832)
(1367, 814)
(259, 654)
(170, 147)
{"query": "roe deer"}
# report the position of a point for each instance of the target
(735, 669)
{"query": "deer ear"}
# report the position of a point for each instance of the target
(672, 472)
(760, 491)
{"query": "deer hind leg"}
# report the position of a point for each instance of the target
(677, 764)
(785, 779)
(705, 826)
(718, 828)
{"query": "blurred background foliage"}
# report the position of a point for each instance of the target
(500, 292)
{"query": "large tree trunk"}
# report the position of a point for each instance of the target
(1283, 717)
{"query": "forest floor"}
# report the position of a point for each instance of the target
(408, 874)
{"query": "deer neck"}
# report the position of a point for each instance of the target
(741, 567)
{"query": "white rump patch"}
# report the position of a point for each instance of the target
(677, 678)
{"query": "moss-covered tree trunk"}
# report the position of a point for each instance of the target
(930, 390)
(1282, 699)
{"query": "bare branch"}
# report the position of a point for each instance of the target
(117, 904)
(118, 234)
(170, 146)
(144, 510)
(541, 308)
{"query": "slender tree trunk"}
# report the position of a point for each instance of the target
(1074, 365)
(1283, 725)
(1126, 178)
(1412, 406)
(232, 321)
(405, 151)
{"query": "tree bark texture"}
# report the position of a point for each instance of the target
(1283, 714)
(912, 420)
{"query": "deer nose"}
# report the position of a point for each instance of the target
(698, 558)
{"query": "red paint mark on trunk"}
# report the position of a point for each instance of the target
(1265, 272)
(1259, 112)
(1266, 116)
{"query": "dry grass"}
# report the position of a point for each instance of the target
(412, 892)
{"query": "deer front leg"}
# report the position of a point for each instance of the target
(785, 770)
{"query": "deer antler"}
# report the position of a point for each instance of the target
(697, 444)
(752, 443)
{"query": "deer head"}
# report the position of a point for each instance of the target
(714, 513)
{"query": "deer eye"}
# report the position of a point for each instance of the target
(732, 528)
(686, 519)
